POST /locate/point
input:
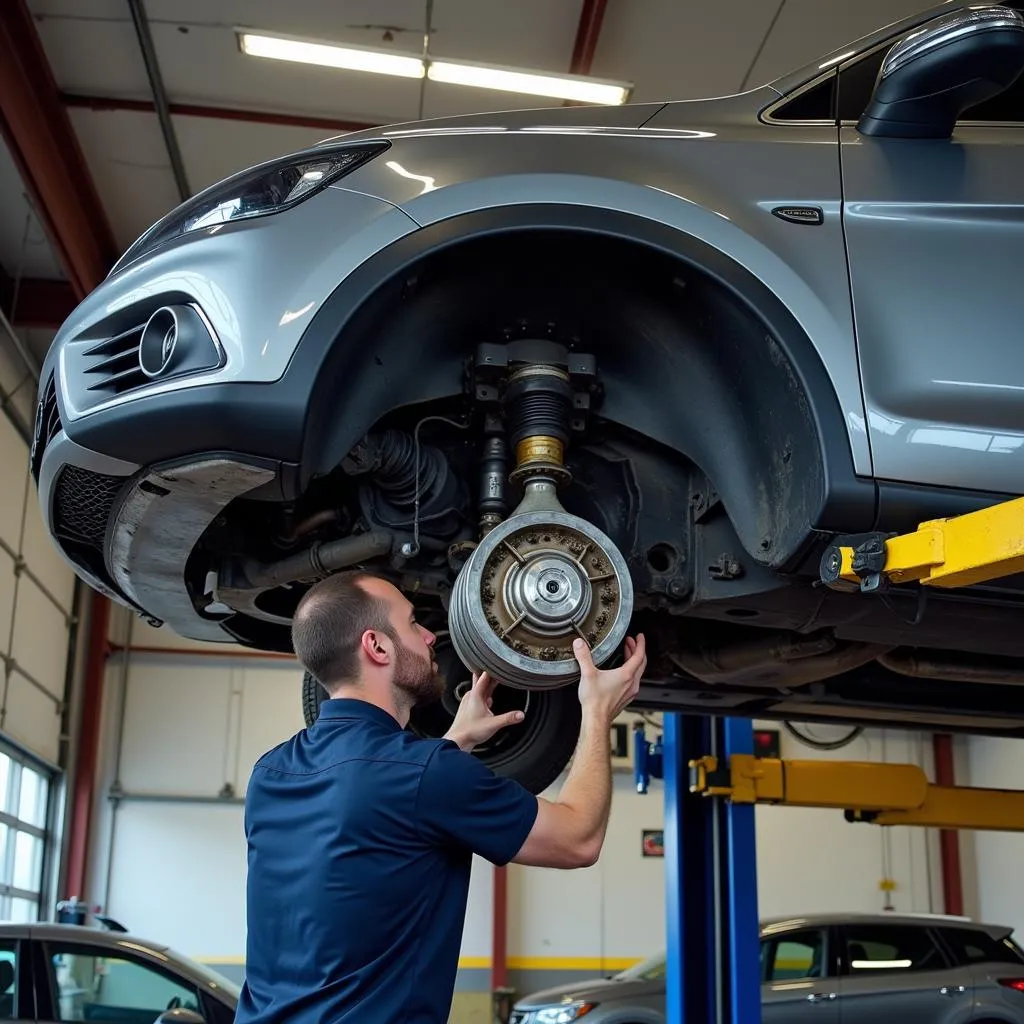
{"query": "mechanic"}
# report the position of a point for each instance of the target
(360, 834)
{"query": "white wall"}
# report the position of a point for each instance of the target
(996, 763)
(37, 587)
(177, 870)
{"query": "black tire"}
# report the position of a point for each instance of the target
(534, 754)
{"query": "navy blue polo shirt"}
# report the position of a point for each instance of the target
(360, 839)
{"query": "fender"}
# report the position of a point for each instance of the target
(794, 389)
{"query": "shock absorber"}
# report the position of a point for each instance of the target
(542, 577)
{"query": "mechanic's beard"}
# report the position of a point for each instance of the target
(416, 679)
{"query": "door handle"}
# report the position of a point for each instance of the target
(952, 990)
(820, 997)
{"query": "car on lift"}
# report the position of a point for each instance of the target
(575, 371)
(71, 972)
(930, 969)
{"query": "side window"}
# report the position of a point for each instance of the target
(104, 987)
(970, 946)
(8, 981)
(857, 83)
(872, 949)
(798, 954)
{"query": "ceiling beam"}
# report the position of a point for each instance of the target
(35, 301)
(326, 124)
(587, 34)
(44, 147)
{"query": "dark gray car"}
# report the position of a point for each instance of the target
(854, 968)
(57, 973)
(583, 370)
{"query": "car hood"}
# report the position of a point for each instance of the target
(589, 991)
(628, 115)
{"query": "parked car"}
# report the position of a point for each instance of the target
(575, 371)
(857, 968)
(68, 972)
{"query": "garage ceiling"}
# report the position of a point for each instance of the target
(229, 111)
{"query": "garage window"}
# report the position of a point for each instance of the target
(24, 836)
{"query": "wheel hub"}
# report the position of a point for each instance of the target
(536, 583)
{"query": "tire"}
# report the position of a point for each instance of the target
(534, 754)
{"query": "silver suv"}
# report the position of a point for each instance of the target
(580, 370)
(857, 968)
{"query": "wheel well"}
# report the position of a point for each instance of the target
(685, 359)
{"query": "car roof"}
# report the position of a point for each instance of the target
(921, 920)
(79, 933)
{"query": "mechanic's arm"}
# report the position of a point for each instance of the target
(569, 832)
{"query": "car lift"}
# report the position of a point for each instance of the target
(713, 780)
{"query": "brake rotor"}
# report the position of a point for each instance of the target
(534, 584)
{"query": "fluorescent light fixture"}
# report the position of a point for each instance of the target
(581, 88)
(349, 58)
(562, 87)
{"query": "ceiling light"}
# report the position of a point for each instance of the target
(350, 58)
(561, 87)
(581, 88)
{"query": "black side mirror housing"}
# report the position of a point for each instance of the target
(935, 73)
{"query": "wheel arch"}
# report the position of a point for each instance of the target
(783, 380)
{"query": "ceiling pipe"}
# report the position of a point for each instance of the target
(326, 124)
(156, 85)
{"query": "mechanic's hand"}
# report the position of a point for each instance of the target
(608, 691)
(474, 722)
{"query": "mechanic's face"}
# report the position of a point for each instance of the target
(416, 671)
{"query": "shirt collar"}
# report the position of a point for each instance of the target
(353, 708)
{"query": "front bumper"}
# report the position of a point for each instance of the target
(130, 470)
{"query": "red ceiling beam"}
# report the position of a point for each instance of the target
(587, 34)
(42, 141)
(327, 124)
(38, 302)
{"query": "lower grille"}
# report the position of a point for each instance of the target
(115, 362)
(47, 425)
(82, 503)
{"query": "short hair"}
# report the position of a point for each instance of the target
(329, 622)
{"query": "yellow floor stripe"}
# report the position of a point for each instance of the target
(515, 963)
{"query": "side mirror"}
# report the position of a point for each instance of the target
(934, 74)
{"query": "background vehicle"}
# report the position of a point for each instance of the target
(849, 967)
(696, 341)
(66, 972)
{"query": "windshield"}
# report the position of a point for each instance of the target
(651, 969)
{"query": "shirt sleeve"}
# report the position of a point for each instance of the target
(462, 801)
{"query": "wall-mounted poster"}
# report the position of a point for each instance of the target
(653, 842)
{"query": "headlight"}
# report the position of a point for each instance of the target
(564, 1014)
(268, 188)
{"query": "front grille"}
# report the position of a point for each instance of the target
(47, 425)
(82, 503)
(112, 365)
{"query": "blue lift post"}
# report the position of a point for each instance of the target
(713, 949)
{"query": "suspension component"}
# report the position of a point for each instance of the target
(542, 577)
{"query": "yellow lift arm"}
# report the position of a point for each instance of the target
(884, 794)
(955, 552)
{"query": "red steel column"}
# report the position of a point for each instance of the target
(499, 930)
(949, 839)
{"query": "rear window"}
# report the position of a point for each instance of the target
(975, 947)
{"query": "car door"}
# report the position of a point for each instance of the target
(17, 997)
(80, 981)
(935, 239)
(900, 973)
(797, 985)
